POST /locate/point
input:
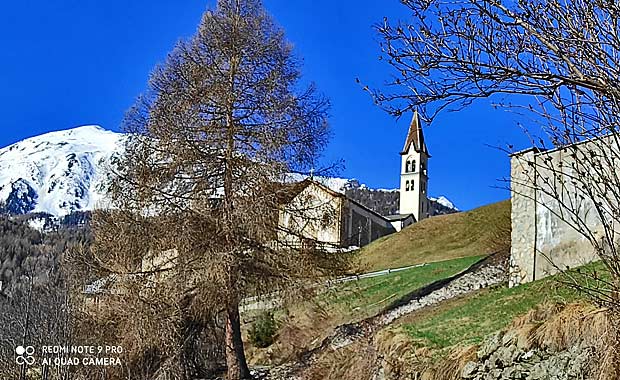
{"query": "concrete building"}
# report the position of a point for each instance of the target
(545, 202)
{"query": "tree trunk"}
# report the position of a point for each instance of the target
(235, 356)
(613, 343)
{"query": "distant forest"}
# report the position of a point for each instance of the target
(29, 254)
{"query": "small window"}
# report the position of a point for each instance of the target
(411, 187)
(410, 165)
(407, 186)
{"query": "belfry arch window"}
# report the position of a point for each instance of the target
(410, 165)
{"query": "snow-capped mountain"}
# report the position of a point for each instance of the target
(445, 202)
(61, 172)
(57, 172)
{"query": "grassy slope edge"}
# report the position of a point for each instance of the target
(439, 238)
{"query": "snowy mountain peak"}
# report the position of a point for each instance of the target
(444, 202)
(57, 172)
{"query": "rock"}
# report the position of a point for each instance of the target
(505, 356)
(490, 345)
(538, 372)
(580, 363)
(501, 358)
(509, 338)
(470, 370)
(494, 374)
(516, 372)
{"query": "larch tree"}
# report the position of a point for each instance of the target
(555, 61)
(192, 226)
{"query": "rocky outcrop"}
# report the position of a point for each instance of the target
(22, 198)
(501, 358)
(551, 342)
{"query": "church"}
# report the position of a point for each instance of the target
(413, 204)
(333, 219)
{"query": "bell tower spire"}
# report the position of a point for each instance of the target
(414, 172)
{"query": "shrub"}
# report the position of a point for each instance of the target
(263, 330)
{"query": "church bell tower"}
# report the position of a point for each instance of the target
(414, 173)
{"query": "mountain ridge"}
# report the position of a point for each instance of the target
(61, 172)
(57, 172)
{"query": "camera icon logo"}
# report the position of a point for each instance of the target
(24, 355)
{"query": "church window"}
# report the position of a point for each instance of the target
(410, 165)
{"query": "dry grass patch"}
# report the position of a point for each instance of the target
(559, 327)
(359, 361)
(474, 233)
(303, 328)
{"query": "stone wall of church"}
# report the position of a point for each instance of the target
(330, 218)
(364, 226)
(315, 213)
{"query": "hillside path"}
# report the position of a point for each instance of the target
(486, 272)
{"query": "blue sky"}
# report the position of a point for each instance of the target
(66, 63)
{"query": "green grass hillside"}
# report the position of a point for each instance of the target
(305, 324)
(473, 233)
(469, 319)
(364, 298)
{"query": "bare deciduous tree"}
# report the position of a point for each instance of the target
(557, 62)
(197, 196)
(36, 304)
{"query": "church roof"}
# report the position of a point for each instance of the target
(399, 217)
(415, 136)
(287, 191)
